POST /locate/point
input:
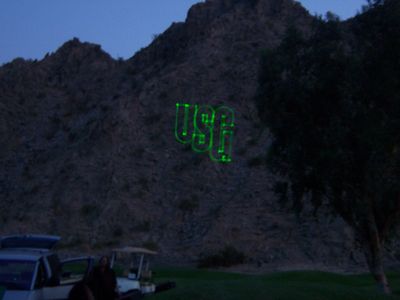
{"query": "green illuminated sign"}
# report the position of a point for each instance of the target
(207, 129)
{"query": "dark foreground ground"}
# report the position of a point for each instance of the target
(308, 285)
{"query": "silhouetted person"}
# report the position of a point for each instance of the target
(80, 291)
(102, 281)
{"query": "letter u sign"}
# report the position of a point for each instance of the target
(207, 129)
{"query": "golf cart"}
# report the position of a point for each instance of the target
(136, 280)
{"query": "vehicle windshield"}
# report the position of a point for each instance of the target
(16, 274)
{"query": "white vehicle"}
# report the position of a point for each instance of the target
(30, 270)
(137, 280)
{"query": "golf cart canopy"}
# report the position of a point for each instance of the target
(134, 250)
(32, 241)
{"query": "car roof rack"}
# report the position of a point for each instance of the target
(31, 241)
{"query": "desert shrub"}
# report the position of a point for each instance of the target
(153, 118)
(143, 226)
(227, 257)
(143, 182)
(118, 231)
(189, 205)
(151, 245)
(138, 152)
(252, 142)
(89, 210)
(255, 161)
(242, 151)
(163, 95)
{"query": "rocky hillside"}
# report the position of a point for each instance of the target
(88, 148)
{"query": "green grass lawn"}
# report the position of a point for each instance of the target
(212, 285)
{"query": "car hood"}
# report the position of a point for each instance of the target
(18, 295)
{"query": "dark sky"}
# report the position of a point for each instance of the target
(31, 28)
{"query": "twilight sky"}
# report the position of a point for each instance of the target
(31, 28)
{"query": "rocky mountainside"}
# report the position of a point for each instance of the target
(89, 151)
